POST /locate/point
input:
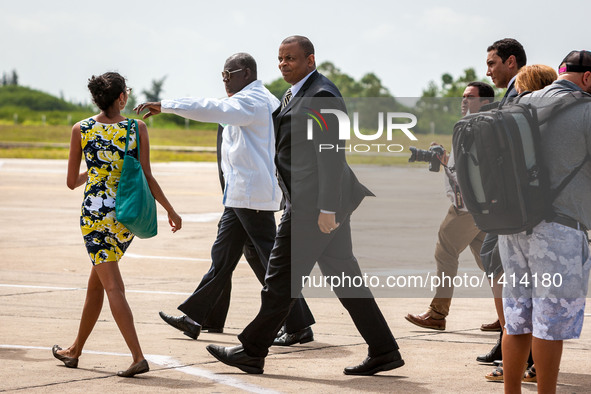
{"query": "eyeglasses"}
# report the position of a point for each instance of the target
(128, 90)
(227, 74)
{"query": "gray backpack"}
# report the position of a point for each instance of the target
(500, 168)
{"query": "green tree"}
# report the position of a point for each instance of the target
(155, 91)
(14, 79)
(131, 103)
(365, 96)
(438, 109)
(432, 90)
(451, 87)
(10, 80)
(368, 86)
(346, 84)
(278, 87)
(371, 86)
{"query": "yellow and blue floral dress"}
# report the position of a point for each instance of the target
(103, 147)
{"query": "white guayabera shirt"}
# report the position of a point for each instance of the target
(248, 147)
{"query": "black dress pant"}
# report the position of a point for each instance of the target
(236, 226)
(219, 311)
(334, 255)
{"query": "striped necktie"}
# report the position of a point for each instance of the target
(286, 99)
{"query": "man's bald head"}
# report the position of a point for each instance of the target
(244, 60)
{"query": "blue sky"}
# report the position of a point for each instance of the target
(56, 46)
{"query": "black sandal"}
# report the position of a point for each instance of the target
(496, 375)
(530, 374)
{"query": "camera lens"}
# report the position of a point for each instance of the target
(419, 155)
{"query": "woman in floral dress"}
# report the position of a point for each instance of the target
(101, 141)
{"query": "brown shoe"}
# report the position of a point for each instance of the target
(496, 326)
(425, 320)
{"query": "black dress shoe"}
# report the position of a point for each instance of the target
(135, 369)
(237, 357)
(69, 362)
(372, 365)
(180, 323)
(496, 353)
(305, 335)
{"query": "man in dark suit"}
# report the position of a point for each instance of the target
(504, 60)
(320, 191)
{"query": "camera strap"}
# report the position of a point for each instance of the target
(458, 200)
(449, 171)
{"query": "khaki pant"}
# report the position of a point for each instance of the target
(457, 231)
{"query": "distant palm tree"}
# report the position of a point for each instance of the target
(154, 93)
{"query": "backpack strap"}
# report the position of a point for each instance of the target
(506, 101)
(569, 177)
(520, 95)
(573, 98)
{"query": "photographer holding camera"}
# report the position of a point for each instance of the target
(457, 231)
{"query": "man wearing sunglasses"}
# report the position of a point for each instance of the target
(251, 192)
(321, 193)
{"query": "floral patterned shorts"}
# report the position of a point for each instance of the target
(546, 281)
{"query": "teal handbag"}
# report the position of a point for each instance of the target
(135, 206)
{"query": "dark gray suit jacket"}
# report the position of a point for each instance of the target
(311, 179)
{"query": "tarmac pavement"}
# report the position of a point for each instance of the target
(44, 269)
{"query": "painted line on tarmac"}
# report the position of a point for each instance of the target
(42, 287)
(196, 217)
(141, 256)
(34, 170)
(61, 166)
(170, 363)
(84, 288)
(207, 217)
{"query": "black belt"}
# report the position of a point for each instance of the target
(568, 222)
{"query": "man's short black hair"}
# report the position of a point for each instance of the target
(244, 60)
(507, 47)
(303, 42)
(484, 89)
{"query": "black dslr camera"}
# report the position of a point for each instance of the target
(431, 156)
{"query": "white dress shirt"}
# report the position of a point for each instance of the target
(248, 147)
(295, 88)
